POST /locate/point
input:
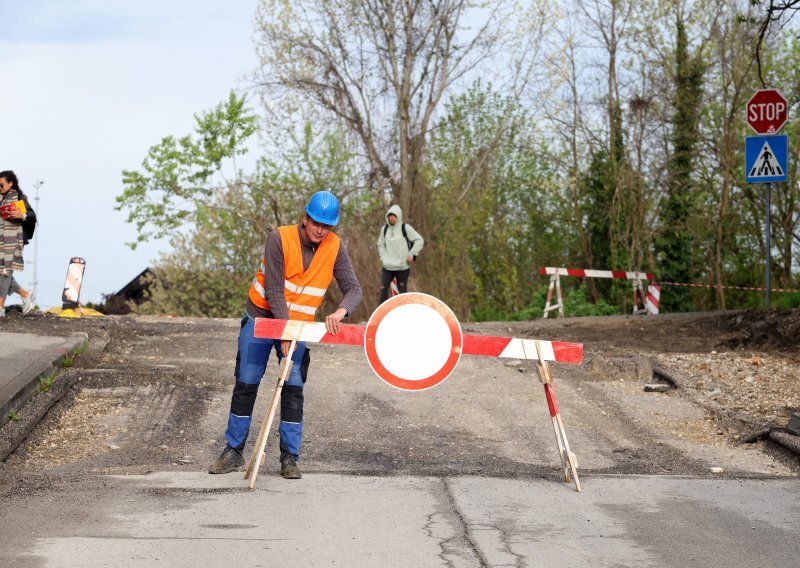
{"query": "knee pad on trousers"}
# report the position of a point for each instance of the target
(305, 363)
(243, 399)
(238, 352)
(292, 403)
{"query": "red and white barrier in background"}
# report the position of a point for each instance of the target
(650, 301)
(555, 274)
(589, 273)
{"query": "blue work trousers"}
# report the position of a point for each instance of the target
(251, 362)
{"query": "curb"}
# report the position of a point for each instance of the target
(22, 389)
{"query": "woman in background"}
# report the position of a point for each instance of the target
(12, 239)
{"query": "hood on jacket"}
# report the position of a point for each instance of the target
(395, 210)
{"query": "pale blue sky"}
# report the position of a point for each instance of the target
(88, 87)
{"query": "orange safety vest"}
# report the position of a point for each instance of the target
(304, 290)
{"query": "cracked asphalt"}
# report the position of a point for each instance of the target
(466, 474)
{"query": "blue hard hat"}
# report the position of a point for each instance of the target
(323, 207)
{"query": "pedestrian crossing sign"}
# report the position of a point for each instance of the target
(765, 158)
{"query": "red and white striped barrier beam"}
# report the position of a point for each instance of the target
(515, 348)
(486, 345)
(589, 273)
(729, 287)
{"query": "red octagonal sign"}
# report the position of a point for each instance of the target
(767, 111)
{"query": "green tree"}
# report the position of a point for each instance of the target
(178, 175)
(497, 203)
(674, 246)
(217, 225)
(380, 69)
(776, 14)
(610, 188)
(728, 76)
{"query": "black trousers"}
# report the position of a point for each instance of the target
(386, 280)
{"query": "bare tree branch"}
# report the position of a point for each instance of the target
(778, 12)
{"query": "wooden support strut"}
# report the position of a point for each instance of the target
(555, 283)
(258, 450)
(569, 462)
(639, 296)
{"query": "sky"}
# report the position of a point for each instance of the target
(88, 86)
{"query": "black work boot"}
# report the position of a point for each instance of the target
(230, 460)
(289, 469)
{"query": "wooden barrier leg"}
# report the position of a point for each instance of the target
(555, 284)
(561, 448)
(638, 294)
(558, 295)
(258, 451)
(266, 425)
(569, 462)
(571, 457)
(258, 448)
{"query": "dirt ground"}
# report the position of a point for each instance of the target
(147, 384)
(742, 365)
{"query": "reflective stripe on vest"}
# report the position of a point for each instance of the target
(258, 284)
(304, 289)
(310, 290)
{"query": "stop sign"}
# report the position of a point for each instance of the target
(767, 111)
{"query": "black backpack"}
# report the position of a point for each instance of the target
(29, 225)
(28, 228)
(409, 242)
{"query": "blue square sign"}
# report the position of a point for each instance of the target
(765, 158)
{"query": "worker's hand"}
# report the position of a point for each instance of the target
(285, 344)
(410, 259)
(333, 320)
(17, 214)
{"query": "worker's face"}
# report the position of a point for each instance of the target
(392, 218)
(314, 231)
(5, 185)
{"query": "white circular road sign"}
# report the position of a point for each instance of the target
(413, 341)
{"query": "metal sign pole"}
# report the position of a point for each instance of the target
(34, 288)
(768, 271)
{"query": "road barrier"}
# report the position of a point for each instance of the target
(650, 302)
(555, 274)
(423, 325)
(653, 298)
(72, 285)
(486, 345)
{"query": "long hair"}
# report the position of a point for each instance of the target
(8, 175)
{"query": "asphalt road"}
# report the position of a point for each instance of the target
(465, 474)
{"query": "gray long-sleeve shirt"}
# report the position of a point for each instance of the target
(274, 277)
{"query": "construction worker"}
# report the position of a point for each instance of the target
(398, 247)
(298, 265)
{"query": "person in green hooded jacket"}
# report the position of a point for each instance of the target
(399, 244)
